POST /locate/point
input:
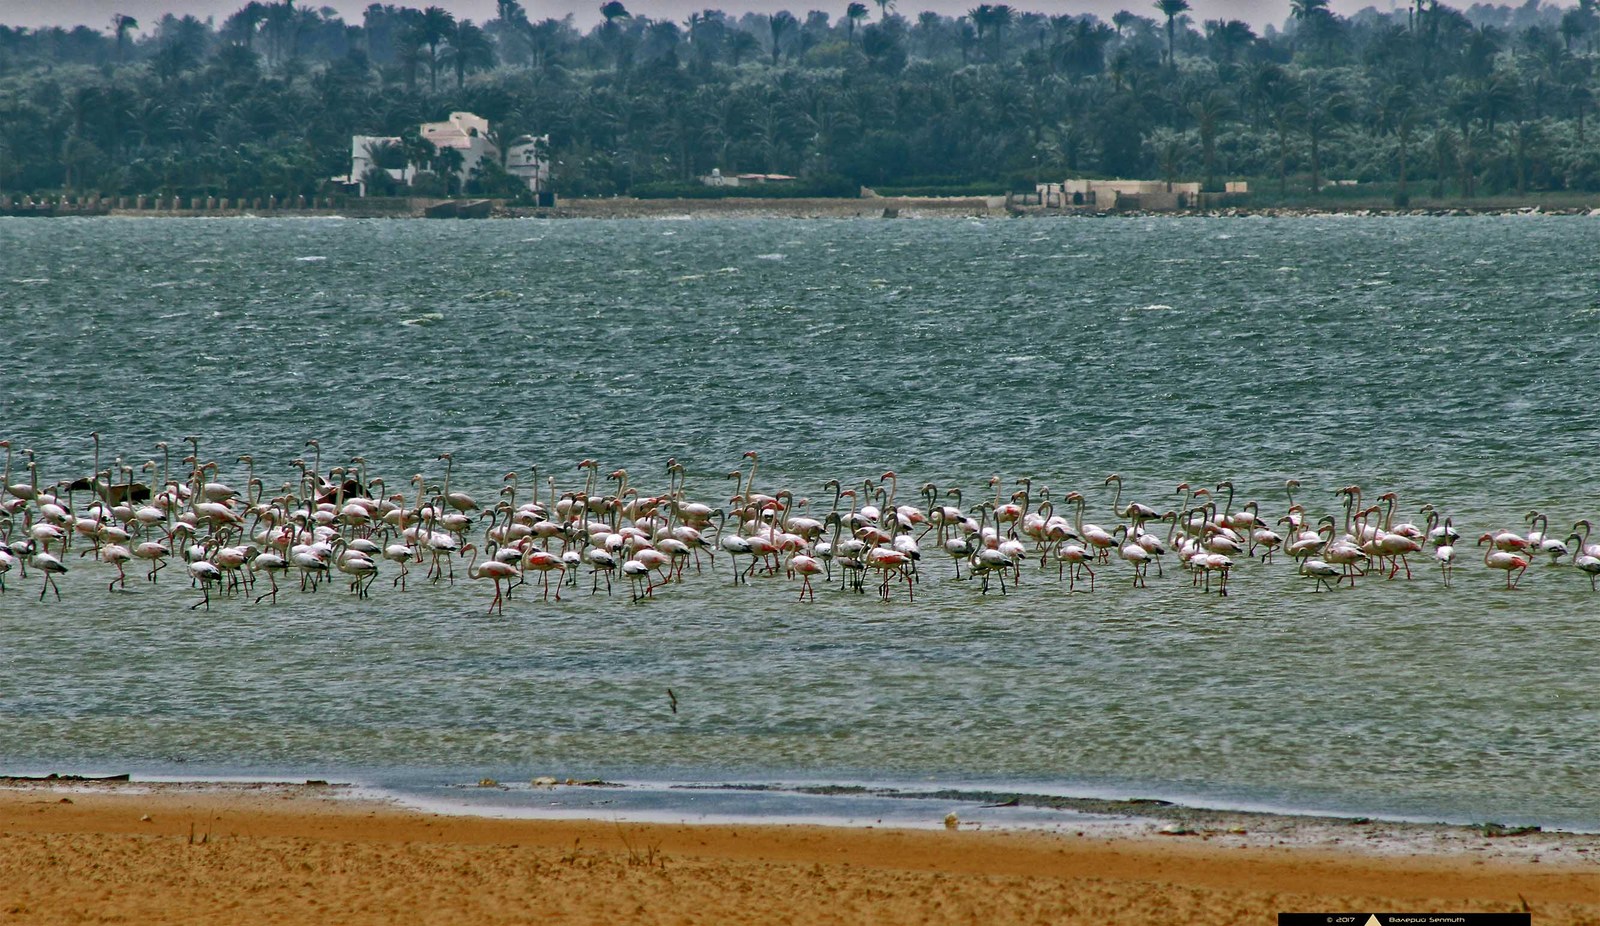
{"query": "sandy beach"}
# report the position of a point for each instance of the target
(236, 854)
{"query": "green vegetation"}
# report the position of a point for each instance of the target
(1420, 105)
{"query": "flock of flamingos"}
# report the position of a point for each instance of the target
(350, 523)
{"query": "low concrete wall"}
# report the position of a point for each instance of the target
(622, 207)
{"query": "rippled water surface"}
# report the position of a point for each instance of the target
(1450, 361)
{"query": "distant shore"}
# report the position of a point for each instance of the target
(990, 207)
(891, 207)
(242, 853)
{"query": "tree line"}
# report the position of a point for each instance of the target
(1429, 99)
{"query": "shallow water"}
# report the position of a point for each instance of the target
(1446, 360)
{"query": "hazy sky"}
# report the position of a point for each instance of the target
(97, 13)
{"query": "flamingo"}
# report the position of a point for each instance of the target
(890, 562)
(1077, 557)
(49, 567)
(1322, 571)
(1445, 554)
(403, 555)
(636, 571)
(1440, 534)
(206, 573)
(958, 549)
(1210, 563)
(360, 568)
(1541, 541)
(312, 563)
(116, 554)
(1584, 546)
(544, 562)
(985, 559)
(1346, 554)
(1134, 511)
(601, 561)
(271, 563)
(1098, 537)
(1397, 546)
(491, 569)
(1243, 522)
(155, 554)
(1268, 538)
(805, 567)
(1133, 554)
(1586, 564)
(460, 501)
(736, 545)
(1496, 558)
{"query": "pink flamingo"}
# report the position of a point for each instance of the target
(1496, 558)
(491, 569)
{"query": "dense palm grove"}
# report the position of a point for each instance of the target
(1429, 100)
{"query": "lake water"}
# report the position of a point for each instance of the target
(1452, 361)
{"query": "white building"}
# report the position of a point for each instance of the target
(363, 150)
(527, 157)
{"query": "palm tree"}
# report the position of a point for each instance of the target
(510, 12)
(447, 163)
(1324, 107)
(386, 154)
(1172, 9)
(278, 22)
(469, 48)
(1397, 113)
(967, 39)
(1304, 10)
(1229, 38)
(122, 23)
(1208, 112)
(410, 54)
(247, 21)
(610, 32)
(1575, 24)
(1444, 154)
(742, 44)
(436, 25)
(1168, 148)
(419, 152)
(991, 19)
(853, 14)
(1278, 93)
(782, 24)
(1003, 15)
(543, 38)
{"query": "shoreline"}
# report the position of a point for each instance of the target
(884, 207)
(161, 852)
(851, 805)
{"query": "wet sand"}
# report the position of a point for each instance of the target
(240, 854)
